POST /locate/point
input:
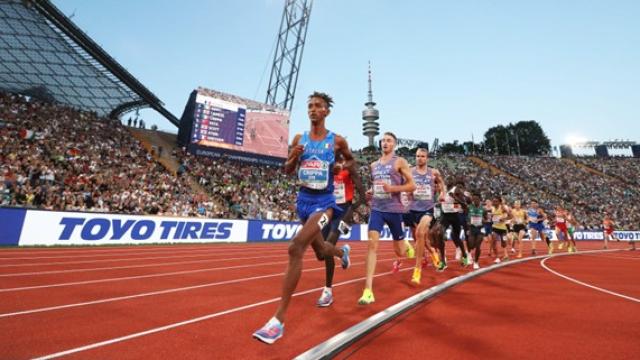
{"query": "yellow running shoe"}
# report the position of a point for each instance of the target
(435, 259)
(417, 275)
(367, 297)
(411, 252)
(551, 249)
(560, 246)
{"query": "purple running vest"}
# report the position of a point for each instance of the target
(386, 173)
(425, 191)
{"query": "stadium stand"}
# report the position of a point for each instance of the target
(58, 158)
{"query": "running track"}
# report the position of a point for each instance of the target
(204, 302)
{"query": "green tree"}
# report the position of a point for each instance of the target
(522, 138)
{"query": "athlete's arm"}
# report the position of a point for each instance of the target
(369, 193)
(357, 183)
(294, 155)
(343, 148)
(439, 181)
(507, 211)
(409, 185)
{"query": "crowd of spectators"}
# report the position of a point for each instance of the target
(626, 169)
(59, 158)
(584, 192)
(245, 190)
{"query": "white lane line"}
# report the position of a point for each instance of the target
(80, 249)
(107, 260)
(271, 250)
(138, 253)
(542, 263)
(153, 293)
(134, 266)
(122, 278)
(195, 320)
(307, 257)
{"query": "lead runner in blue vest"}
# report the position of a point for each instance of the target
(313, 155)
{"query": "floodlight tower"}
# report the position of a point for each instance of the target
(370, 115)
(288, 54)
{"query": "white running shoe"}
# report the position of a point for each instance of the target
(497, 260)
(476, 266)
(458, 254)
(326, 298)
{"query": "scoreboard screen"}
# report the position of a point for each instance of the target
(218, 121)
(226, 121)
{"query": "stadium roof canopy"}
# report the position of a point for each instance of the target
(44, 55)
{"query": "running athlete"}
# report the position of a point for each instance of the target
(477, 217)
(344, 182)
(420, 216)
(500, 214)
(511, 235)
(391, 175)
(519, 227)
(463, 220)
(608, 224)
(571, 228)
(313, 154)
(451, 207)
(488, 227)
(536, 217)
(562, 231)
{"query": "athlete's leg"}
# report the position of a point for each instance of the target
(533, 235)
(456, 227)
(298, 245)
(520, 240)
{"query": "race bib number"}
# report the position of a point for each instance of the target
(519, 221)
(378, 189)
(449, 208)
(422, 192)
(560, 220)
(314, 174)
(496, 218)
(476, 220)
(339, 191)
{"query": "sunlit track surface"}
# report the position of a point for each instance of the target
(582, 306)
(151, 303)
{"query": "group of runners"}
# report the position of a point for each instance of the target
(401, 197)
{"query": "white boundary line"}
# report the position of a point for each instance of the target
(195, 320)
(48, 272)
(337, 343)
(542, 263)
(138, 253)
(158, 292)
(134, 266)
(112, 260)
(182, 272)
(133, 248)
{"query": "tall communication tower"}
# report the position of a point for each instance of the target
(370, 115)
(288, 54)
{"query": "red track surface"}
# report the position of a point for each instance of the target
(523, 312)
(133, 302)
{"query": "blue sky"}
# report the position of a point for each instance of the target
(444, 69)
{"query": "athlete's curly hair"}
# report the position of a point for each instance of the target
(324, 96)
